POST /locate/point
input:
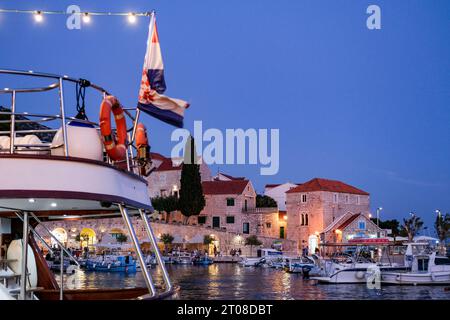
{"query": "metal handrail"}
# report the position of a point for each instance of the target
(47, 75)
(56, 239)
(130, 158)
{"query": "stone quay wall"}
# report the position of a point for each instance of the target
(225, 240)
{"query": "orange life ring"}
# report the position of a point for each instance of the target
(115, 148)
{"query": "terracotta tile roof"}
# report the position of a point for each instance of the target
(319, 184)
(231, 177)
(338, 221)
(273, 185)
(224, 187)
(345, 223)
(167, 165)
(217, 178)
(157, 156)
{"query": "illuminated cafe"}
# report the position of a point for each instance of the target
(353, 228)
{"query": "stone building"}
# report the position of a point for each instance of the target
(231, 206)
(165, 176)
(316, 204)
(102, 232)
(352, 227)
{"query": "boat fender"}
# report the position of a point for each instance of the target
(109, 266)
(433, 277)
(142, 142)
(115, 148)
(360, 275)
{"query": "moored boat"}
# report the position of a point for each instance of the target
(304, 265)
(202, 260)
(124, 264)
(264, 255)
(427, 268)
(356, 267)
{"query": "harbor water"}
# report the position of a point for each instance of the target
(232, 281)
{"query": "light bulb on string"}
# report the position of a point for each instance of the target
(132, 18)
(86, 17)
(38, 16)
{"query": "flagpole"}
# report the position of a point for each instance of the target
(138, 111)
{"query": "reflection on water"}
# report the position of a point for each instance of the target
(231, 281)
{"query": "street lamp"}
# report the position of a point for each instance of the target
(438, 212)
(378, 215)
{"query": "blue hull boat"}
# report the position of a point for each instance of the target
(204, 261)
(119, 265)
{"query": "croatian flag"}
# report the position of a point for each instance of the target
(153, 85)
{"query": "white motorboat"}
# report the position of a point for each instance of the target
(264, 255)
(427, 268)
(251, 261)
(184, 258)
(67, 171)
(357, 268)
(304, 265)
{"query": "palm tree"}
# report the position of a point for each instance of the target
(412, 226)
(121, 238)
(442, 226)
(252, 241)
(167, 239)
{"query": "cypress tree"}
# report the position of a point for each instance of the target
(192, 200)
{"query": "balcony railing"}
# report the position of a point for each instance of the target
(259, 210)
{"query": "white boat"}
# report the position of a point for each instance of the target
(65, 171)
(264, 255)
(276, 263)
(356, 268)
(427, 268)
(307, 266)
(184, 258)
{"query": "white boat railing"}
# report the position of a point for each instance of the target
(16, 118)
(133, 163)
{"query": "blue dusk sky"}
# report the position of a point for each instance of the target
(367, 107)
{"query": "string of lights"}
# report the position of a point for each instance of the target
(86, 16)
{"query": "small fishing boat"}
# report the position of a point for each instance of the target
(264, 255)
(202, 260)
(277, 263)
(427, 268)
(124, 264)
(184, 258)
(303, 265)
